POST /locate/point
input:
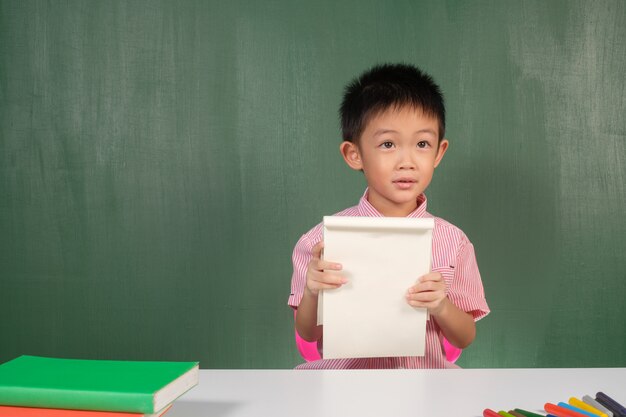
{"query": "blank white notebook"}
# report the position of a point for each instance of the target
(382, 257)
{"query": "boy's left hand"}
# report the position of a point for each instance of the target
(429, 292)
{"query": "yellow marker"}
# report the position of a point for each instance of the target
(584, 406)
(505, 414)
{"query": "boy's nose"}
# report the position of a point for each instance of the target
(405, 161)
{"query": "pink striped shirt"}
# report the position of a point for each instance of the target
(452, 256)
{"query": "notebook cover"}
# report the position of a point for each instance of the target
(381, 258)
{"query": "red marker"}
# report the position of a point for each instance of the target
(561, 411)
(490, 413)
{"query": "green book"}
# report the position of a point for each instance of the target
(103, 385)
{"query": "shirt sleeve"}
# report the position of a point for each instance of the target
(302, 254)
(466, 289)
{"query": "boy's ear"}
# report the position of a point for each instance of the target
(351, 154)
(443, 147)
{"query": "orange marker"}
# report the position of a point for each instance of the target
(490, 413)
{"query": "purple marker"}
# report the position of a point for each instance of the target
(617, 409)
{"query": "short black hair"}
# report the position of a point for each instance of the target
(388, 86)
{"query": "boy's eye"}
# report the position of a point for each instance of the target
(422, 144)
(386, 145)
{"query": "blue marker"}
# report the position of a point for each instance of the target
(578, 410)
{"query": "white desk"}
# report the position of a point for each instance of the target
(389, 393)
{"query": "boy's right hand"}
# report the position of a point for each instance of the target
(318, 276)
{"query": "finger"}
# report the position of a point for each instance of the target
(427, 286)
(420, 303)
(322, 286)
(325, 285)
(325, 278)
(321, 266)
(317, 250)
(425, 297)
(328, 265)
(432, 276)
(428, 299)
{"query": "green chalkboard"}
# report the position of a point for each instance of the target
(159, 160)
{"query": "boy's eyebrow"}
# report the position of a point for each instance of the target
(383, 131)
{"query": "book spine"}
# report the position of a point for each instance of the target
(12, 411)
(77, 400)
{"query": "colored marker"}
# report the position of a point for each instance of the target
(592, 402)
(561, 412)
(528, 413)
(505, 414)
(611, 404)
(490, 413)
(516, 414)
(579, 404)
(578, 410)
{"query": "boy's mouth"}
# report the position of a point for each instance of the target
(404, 183)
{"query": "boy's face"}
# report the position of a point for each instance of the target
(398, 153)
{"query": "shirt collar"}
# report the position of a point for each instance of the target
(367, 210)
